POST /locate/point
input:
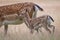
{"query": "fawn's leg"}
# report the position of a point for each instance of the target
(5, 28)
(34, 13)
(27, 24)
(48, 30)
(38, 27)
(46, 27)
(31, 28)
(31, 31)
(52, 26)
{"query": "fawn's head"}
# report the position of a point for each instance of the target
(23, 14)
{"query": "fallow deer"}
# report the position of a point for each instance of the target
(17, 9)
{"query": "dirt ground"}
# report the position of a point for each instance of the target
(21, 32)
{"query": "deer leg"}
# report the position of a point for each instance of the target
(37, 29)
(5, 28)
(34, 14)
(46, 27)
(40, 25)
(52, 26)
(48, 30)
(31, 31)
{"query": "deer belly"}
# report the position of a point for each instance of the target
(12, 19)
(13, 22)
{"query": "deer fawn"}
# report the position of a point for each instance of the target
(36, 23)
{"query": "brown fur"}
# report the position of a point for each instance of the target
(17, 9)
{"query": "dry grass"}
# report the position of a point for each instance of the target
(21, 32)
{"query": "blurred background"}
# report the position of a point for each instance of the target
(21, 32)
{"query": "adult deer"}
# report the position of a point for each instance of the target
(36, 23)
(15, 10)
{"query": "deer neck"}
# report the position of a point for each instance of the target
(27, 19)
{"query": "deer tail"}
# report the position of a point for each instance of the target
(39, 7)
(51, 18)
